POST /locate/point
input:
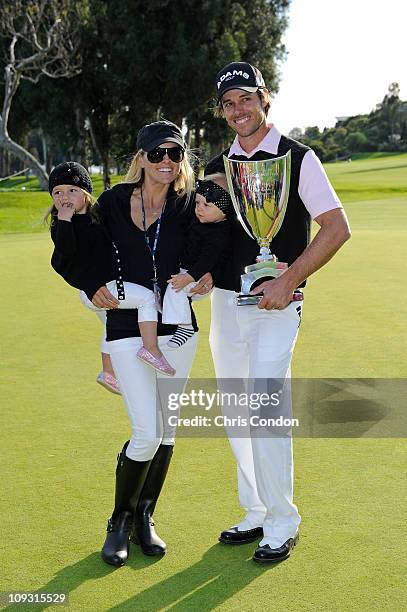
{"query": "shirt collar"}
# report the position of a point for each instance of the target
(269, 144)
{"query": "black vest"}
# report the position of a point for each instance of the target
(294, 234)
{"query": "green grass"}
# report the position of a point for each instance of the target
(61, 433)
(22, 184)
(22, 211)
(373, 176)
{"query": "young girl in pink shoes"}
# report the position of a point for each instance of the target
(86, 258)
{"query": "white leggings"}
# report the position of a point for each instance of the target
(136, 296)
(176, 307)
(144, 392)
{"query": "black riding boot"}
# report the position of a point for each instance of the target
(130, 477)
(144, 532)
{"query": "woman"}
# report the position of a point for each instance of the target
(147, 217)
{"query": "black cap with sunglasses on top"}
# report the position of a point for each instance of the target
(154, 134)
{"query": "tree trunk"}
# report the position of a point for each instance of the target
(44, 149)
(10, 87)
(101, 148)
(80, 145)
(27, 159)
(198, 140)
(106, 170)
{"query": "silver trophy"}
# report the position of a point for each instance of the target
(259, 192)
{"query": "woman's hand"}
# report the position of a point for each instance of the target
(204, 284)
(104, 299)
(179, 281)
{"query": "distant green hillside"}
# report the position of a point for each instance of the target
(370, 176)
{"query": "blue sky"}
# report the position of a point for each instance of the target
(342, 56)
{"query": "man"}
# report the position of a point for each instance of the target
(250, 342)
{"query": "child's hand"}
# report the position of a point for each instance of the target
(65, 211)
(179, 281)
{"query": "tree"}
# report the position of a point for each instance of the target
(390, 110)
(134, 71)
(318, 147)
(312, 133)
(295, 133)
(356, 141)
(42, 40)
(173, 76)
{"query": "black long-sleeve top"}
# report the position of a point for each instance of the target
(207, 246)
(83, 253)
(134, 257)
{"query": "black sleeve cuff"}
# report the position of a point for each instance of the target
(64, 237)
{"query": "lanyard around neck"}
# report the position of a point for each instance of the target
(152, 249)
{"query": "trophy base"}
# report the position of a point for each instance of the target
(253, 300)
(248, 300)
(273, 266)
(258, 271)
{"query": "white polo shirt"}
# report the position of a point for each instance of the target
(314, 189)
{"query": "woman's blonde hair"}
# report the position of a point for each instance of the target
(51, 212)
(265, 99)
(183, 185)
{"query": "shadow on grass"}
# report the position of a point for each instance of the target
(222, 572)
(348, 408)
(71, 577)
(398, 167)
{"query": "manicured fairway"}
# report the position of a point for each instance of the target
(61, 433)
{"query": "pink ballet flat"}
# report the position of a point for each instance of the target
(108, 382)
(158, 363)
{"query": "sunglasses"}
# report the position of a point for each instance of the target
(176, 154)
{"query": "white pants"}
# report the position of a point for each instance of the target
(136, 296)
(176, 308)
(250, 343)
(144, 391)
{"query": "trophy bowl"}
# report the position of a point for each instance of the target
(259, 191)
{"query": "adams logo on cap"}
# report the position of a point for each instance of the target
(238, 75)
(231, 75)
